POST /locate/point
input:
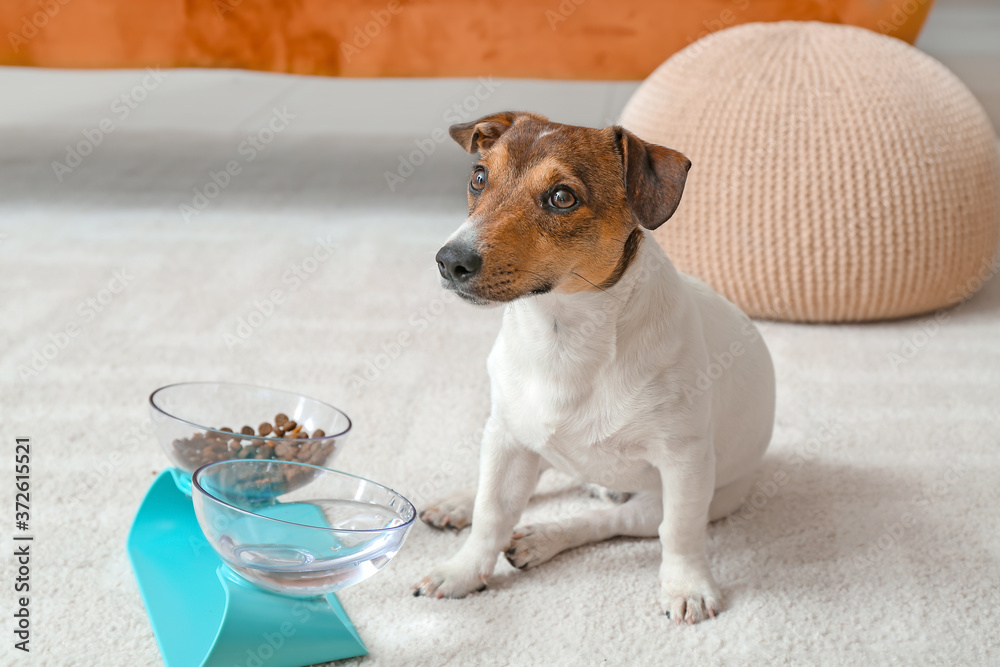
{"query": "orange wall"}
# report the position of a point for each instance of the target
(565, 39)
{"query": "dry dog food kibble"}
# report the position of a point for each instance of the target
(284, 441)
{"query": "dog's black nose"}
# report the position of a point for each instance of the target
(458, 262)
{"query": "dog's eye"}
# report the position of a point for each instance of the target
(478, 181)
(562, 198)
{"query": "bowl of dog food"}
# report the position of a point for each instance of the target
(296, 528)
(198, 423)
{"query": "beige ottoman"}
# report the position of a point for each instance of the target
(838, 174)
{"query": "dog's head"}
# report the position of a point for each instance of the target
(555, 207)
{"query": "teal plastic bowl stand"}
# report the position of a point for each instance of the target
(204, 614)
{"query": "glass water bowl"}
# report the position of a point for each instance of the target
(299, 529)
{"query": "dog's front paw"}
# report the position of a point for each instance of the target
(455, 511)
(689, 595)
(454, 579)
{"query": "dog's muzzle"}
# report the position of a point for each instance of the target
(458, 262)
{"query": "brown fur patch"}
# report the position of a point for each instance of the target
(629, 253)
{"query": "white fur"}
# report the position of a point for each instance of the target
(658, 387)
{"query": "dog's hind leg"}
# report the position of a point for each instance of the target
(639, 516)
(455, 511)
(729, 498)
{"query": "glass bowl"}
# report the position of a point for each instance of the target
(198, 423)
(298, 529)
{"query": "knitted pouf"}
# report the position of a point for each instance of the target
(838, 174)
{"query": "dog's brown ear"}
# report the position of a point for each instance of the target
(479, 135)
(654, 178)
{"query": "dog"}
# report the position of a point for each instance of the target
(610, 365)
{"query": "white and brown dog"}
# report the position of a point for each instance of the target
(603, 367)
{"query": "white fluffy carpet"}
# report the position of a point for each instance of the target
(879, 546)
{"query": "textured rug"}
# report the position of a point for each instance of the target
(871, 539)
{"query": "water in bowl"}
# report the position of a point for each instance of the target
(328, 560)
